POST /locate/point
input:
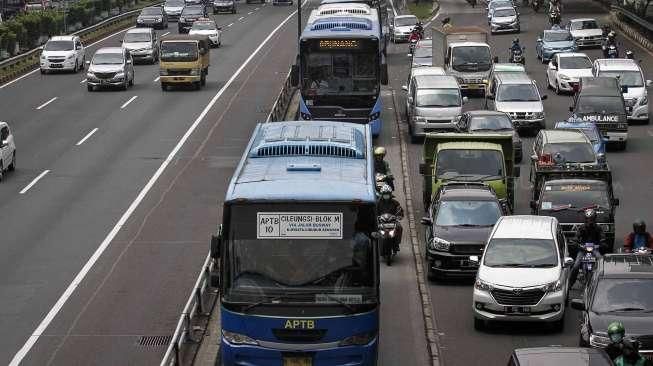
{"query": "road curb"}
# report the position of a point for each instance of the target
(430, 324)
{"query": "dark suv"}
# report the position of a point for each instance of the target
(621, 289)
(460, 220)
(189, 15)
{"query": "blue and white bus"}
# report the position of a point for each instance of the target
(299, 268)
(340, 71)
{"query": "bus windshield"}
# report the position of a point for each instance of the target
(295, 251)
(335, 73)
(179, 51)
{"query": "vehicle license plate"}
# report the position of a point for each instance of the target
(473, 86)
(518, 310)
(56, 66)
(468, 264)
(297, 361)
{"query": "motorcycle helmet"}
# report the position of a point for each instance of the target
(616, 332)
(379, 152)
(639, 226)
(515, 40)
(629, 54)
(590, 216)
(386, 192)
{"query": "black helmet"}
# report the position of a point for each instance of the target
(590, 216)
(515, 40)
(639, 226)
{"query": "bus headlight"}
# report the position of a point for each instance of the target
(237, 338)
(358, 339)
(374, 116)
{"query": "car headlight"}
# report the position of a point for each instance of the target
(358, 339)
(564, 77)
(599, 340)
(120, 75)
(553, 286)
(158, 19)
(195, 71)
(643, 101)
(485, 81)
(419, 119)
(43, 57)
(538, 114)
(182, 19)
(482, 285)
(90, 75)
(440, 244)
(622, 125)
(163, 72)
(70, 56)
(237, 338)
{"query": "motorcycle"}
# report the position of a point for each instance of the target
(630, 54)
(588, 261)
(383, 179)
(610, 50)
(414, 37)
(411, 46)
(554, 17)
(517, 56)
(388, 225)
(536, 5)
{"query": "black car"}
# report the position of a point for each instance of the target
(559, 356)
(460, 220)
(152, 16)
(621, 289)
(224, 6)
(484, 121)
(565, 200)
(189, 15)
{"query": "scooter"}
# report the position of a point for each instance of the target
(383, 179)
(517, 56)
(388, 225)
(588, 261)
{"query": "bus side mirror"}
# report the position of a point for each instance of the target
(216, 242)
(384, 74)
(571, 108)
(615, 202)
(517, 171)
(294, 75)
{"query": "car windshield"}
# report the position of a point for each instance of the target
(59, 46)
(508, 252)
(438, 98)
(174, 3)
(517, 93)
(151, 11)
(136, 37)
(626, 78)
(469, 164)
(192, 10)
(573, 195)
(467, 213)
(500, 4)
(572, 152)
(422, 51)
(579, 62)
(504, 12)
(620, 295)
(304, 254)
(490, 123)
(402, 22)
(204, 26)
(179, 51)
(600, 105)
(107, 58)
(584, 24)
(557, 36)
(471, 58)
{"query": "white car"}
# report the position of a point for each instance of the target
(401, 26)
(492, 6)
(63, 53)
(631, 76)
(586, 32)
(565, 70)
(523, 273)
(206, 27)
(7, 150)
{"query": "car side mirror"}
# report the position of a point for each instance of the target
(568, 262)
(534, 204)
(474, 259)
(409, 55)
(533, 157)
(600, 157)
(404, 88)
(427, 221)
(4, 143)
(219, 28)
(517, 171)
(615, 202)
(553, 67)
(375, 235)
(545, 97)
(649, 83)
(539, 40)
(129, 62)
(465, 100)
(216, 243)
(410, 100)
(294, 75)
(88, 63)
(578, 304)
(571, 108)
(496, 59)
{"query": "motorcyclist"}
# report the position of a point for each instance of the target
(515, 45)
(446, 24)
(419, 28)
(630, 355)
(382, 167)
(554, 5)
(387, 204)
(616, 333)
(588, 232)
(639, 238)
(611, 39)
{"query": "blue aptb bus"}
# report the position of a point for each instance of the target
(299, 272)
(341, 67)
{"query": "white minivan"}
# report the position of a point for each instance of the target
(632, 82)
(523, 273)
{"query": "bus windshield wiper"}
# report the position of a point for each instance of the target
(267, 301)
(334, 298)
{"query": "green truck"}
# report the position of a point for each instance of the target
(465, 157)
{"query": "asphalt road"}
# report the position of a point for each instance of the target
(140, 283)
(633, 177)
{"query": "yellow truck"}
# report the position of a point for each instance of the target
(184, 60)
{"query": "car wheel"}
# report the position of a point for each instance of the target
(233, 11)
(197, 85)
(89, 87)
(543, 60)
(12, 166)
(557, 88)
(2, 172)
(203, 79)
(43, 71)
(125, 85)
(479, 324)
(131, 82)
(558, 325)
(548, 82)
(76, 68)
(621, 145)
(164, 86)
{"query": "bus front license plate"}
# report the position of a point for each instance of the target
(297, 361)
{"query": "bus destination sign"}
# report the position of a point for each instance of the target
(339, 44)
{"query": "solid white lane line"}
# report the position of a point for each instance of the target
(87, 136)
(157, 79)
(92, 44)
(83, 81)
(34, 337)
(229, 25)
(250, 13)
(32, 183)
(46, 103)
(129, 101)
(255, 9)
(165, 34)
(241, 18)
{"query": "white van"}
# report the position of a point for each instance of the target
(630, 76)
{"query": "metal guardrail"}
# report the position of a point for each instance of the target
(633, 17)
(194, 305)
(28, 60)
(278, 112)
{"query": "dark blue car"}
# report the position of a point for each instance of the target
(590, 129)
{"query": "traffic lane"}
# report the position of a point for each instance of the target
(124, 162)
(141, 283)
(401, 335)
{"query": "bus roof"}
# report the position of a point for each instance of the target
(306, 161)
(342, 27)
(343, 10)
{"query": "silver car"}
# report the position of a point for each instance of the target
(505, 19)
(110, 67)
(432, 104)
(142, 44)
(517, 95)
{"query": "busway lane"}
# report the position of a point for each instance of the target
(60, 221)
(461, 344)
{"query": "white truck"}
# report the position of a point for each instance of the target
(465, 54)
